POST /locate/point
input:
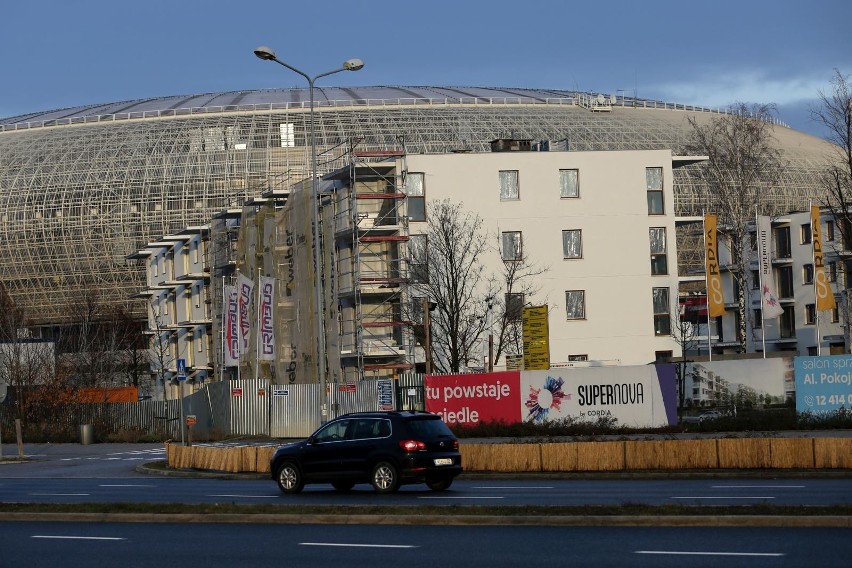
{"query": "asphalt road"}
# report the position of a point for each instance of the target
(104, 473)
(319, 546)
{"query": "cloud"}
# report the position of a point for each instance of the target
(722, 89)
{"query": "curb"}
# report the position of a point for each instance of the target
(452, 520)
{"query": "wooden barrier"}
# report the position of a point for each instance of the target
(724, 453)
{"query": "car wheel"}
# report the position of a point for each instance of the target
(439, 484)
(289, 478)
(385, 478)
(343, 485)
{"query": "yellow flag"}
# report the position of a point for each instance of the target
(822, 289)
(715, 297)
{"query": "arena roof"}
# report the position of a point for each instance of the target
(325, 97)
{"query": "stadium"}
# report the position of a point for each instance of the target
(82, 188)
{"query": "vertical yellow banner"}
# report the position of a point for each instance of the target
(715, 297)
(822, 289)
(536, 336)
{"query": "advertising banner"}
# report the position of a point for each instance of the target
(641, 396)
(715, 296)
(768, 296)
(823, 384)
(266, 337)
(232, 325)
(822, 289)
(468, 399)
(245, 287)
(536, 337)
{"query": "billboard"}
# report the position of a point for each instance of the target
(639, 396)
(823, 384)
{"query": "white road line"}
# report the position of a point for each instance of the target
(674, 552)
(757, 486)
(497, 487)
(62, 494)
(247, 496)
(124, 485)
(358, 545)
(62, 537)
(723, 497)
(460, 497)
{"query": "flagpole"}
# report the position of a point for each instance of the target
(707, 285)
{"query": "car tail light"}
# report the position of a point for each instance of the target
(412, 445)
(455, 444)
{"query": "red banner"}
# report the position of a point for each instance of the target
(468, 399)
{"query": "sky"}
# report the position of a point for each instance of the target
(62, 53)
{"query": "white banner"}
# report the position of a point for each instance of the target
(245, 287)
(232, 325)
(768, 296)
(266, 336)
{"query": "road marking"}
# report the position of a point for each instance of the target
(460, 497)
(125, 485)
(498, 487)
(61, 494)
(674, 552)
(723, 497)
(77, 537)
(358, 545)
(757, 486)
(248, 496)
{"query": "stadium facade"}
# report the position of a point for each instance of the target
(82, 189)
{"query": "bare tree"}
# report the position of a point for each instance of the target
(743, 160)
(685, 329)
(835, 114)
(449, 272)
(160, 353)
(520, 277)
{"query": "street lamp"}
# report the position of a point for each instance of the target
(267, 54)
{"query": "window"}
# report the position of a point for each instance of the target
(785, 282)
(758, 318)
(755, 280)
(659, 261)
(569, 183)
(194, 247)
(805, 234)
(575, 304)
(829, 231)
(197, 295)
(581, 357)
(662, 317)
(415, 191)
(512, 245)
(572, 243)
(418, 266)
(807, 274)
(787, 322)
(334, 432)
(831, 271)
(782, 243)
(514, 307)
(835, 314)
(509, 185)
(662, 356)
(199, 338)
(654, 184)
(810, 314)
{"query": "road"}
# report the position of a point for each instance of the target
(320, 546)
(104, 473)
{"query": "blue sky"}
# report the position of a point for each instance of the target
(61, 53)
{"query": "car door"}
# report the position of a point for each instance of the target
(322, 458)
(367, 434)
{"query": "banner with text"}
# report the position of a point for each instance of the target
(641, 396)
(823, 384)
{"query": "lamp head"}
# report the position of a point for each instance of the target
(349, 64)
(265, 53)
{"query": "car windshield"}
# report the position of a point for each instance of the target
(428, 427)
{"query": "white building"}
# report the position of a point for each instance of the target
(602, 222)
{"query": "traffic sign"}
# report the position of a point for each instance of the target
(181, 369)
(191, 420)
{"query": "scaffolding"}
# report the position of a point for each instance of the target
(370, 233)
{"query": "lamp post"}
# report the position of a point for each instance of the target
(267, 54)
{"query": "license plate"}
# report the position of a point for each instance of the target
(444, 461)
